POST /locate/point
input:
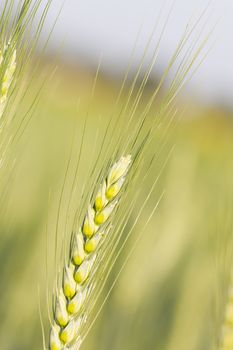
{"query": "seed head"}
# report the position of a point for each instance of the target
(85, 247)
(61, 314)
(78, 249)
(102, 217)
(75, 304)
(68, 334)
(89, 224)
(83, 271)
(101, 200)
(119, 170)
(92, 243)
(54, 340)
(69, 285)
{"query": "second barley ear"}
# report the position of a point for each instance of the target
(7, 70)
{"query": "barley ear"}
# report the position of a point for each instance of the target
(71, 307)
(7, 70)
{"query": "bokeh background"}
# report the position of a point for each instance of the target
(171, 293)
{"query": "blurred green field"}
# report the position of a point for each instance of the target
(171, 291)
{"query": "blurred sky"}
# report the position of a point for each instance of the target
(88, 28)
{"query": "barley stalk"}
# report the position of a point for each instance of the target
(7, 70)
(69, 313)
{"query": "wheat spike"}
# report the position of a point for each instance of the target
(7, 70)
(226, 341)
(69, 313)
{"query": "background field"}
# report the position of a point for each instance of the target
(170, 293)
